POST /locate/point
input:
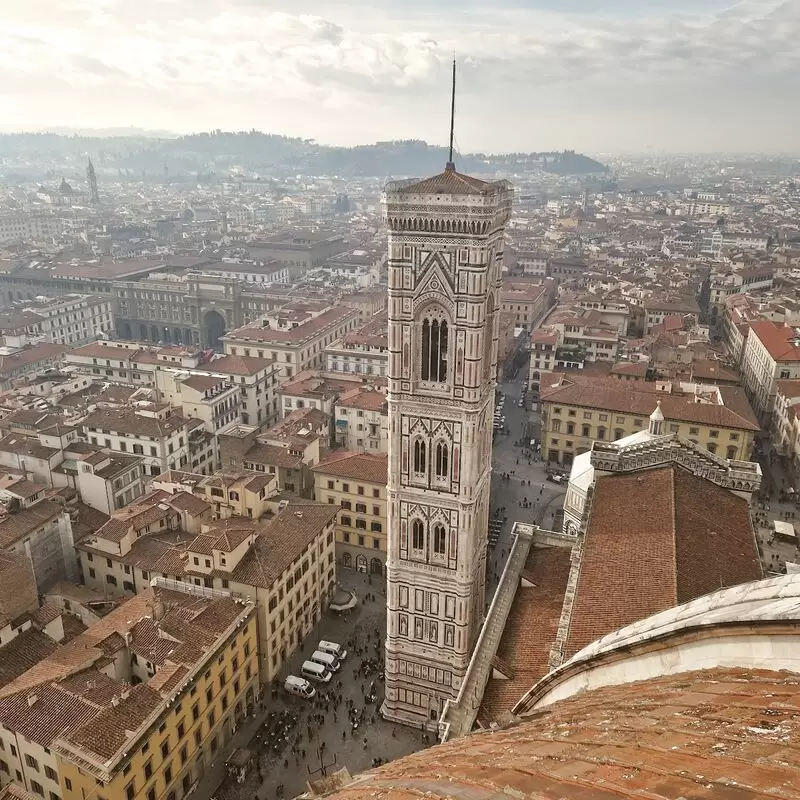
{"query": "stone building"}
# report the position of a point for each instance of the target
(579, 409)
(356, 483)
(42, 531)
(445, 265)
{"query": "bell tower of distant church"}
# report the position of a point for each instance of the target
(445, 264)
(94, 196)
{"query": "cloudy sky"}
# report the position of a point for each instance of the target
(599, 76)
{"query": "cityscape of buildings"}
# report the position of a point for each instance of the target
(525, 446)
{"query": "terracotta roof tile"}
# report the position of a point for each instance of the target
(284, 539)
(530, 630)
(23, 652)
(257, 333)
(126, 420)
(107, 351)
(722, 734)
(190, 503)
(273, 455)
(368, 399)
(448, 182)
(25, 446)
(239, 365)
(779, 340)
(73, 626)
(13, 792)
(656, 538)
(64, 694)
(369, 467)
(202, 382)
(45, 351)
(639, 398)
(15, 526)
(88, 520)
(105, 733)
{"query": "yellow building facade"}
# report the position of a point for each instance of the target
(137, 706)
(175, 744)
(578, 411)
(356, 483)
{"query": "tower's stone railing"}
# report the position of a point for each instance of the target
(459, 716)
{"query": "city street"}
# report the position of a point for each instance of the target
(544, 497)
(775, 503)
(297, 739)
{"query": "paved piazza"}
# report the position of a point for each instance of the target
(288, 755)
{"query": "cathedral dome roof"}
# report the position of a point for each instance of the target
(698, 701)
(718, 733)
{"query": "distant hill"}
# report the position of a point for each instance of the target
(269, 154)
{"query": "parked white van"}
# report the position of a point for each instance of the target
(333, 648)
(317, 672)
(327, 660)
(299, 686)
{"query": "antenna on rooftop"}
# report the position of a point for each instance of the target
(451, 167)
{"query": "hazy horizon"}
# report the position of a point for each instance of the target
(613, 77)
(160, 134)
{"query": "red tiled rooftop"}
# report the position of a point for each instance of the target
(369, 467)
(449, 182)
(788, 388)
(257, 333)
(238, 365)
(657, 538)
(779, 340)
(519, 292)
(636, 368)
(640, 397)
(364, 398)
(530, 630)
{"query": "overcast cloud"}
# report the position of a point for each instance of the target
(534, 74)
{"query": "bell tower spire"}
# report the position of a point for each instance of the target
(451, 167)
(91, 177)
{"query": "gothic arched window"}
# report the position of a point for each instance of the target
(418, 535)
(439, 540)
(420, 456)
(434, 350)
(442, 460)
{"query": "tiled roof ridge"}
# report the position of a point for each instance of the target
(58, 686)
(343, 455)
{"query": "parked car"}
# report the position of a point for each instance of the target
(334, 648)
(299, 687)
